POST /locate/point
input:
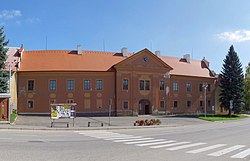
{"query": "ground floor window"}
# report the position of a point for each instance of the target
(208, 103)
(201, 103)
(125, 105)
(162, 104)
(30, 104)
(70, 101)
(175, 103)
(189, 104)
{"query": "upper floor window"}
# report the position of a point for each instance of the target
(31, 85)
(99, 85)
(70, 85)
(208, 87)
(86, 84)
(188, 86)
(175, 86)
(52, 85)
(125, 84)
(161, 85)
(201, 87)
(145, 85)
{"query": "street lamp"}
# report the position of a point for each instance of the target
(166, 76)
(205, 85)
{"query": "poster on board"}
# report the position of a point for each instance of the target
(62, 111)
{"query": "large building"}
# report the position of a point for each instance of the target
(131, 84)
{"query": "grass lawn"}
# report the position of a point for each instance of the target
(221, 117)
(13, 117)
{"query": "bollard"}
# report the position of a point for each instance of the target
(88, 124)
(101, 124)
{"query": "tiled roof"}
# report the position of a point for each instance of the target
(193, 68)
(69, 60)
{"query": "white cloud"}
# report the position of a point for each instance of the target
(235, 36)
(10, 14)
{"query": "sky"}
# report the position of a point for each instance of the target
(201, 28)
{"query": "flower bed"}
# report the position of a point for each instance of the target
(147, 122)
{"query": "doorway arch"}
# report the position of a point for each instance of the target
(144, 107)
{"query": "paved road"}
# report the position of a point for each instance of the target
(207, 142)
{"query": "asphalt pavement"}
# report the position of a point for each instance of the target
(44, 122)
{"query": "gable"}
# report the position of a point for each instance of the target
(145, 59)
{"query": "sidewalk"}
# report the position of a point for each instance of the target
(81, 123)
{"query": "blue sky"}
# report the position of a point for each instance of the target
(202, 28)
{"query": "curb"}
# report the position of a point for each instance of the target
(87, 128)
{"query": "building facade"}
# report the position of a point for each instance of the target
(125, 83)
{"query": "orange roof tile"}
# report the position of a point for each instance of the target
(193, 68)
(68, 60)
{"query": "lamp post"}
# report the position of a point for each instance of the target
(205, 85)
(166, 77)
(10, 110)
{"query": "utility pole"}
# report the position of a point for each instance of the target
(205, 85)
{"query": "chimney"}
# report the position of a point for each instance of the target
(204, 63)
(124, 52)
(187, 57)
(158, 53)
(78, 49)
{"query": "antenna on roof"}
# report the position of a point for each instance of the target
(192, 54)
(46, 43)
(103, 44)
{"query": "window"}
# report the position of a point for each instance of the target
(161, 85)
(70, 101)
(208, 103)
(141, 84)
(175, 86)
(99, 85)
(145, 85)
(162, 104)
(30, 104)
(31, 84)
(208, 87)
(125, 84)
(52, 85)
(200, 88)
(189, 104)
(175, 104)
(125, 105)
(86, 84)
(201, 103)
(188, 85)
(70, 85)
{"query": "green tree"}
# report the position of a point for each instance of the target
(247, 89)
(231, 82)
(3, 57)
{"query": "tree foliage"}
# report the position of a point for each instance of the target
(247, 89)
(231, 82)
(3, 57)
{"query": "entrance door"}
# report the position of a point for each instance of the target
(144, 107)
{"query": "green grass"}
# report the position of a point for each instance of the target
(13, 117)
(221, 117)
